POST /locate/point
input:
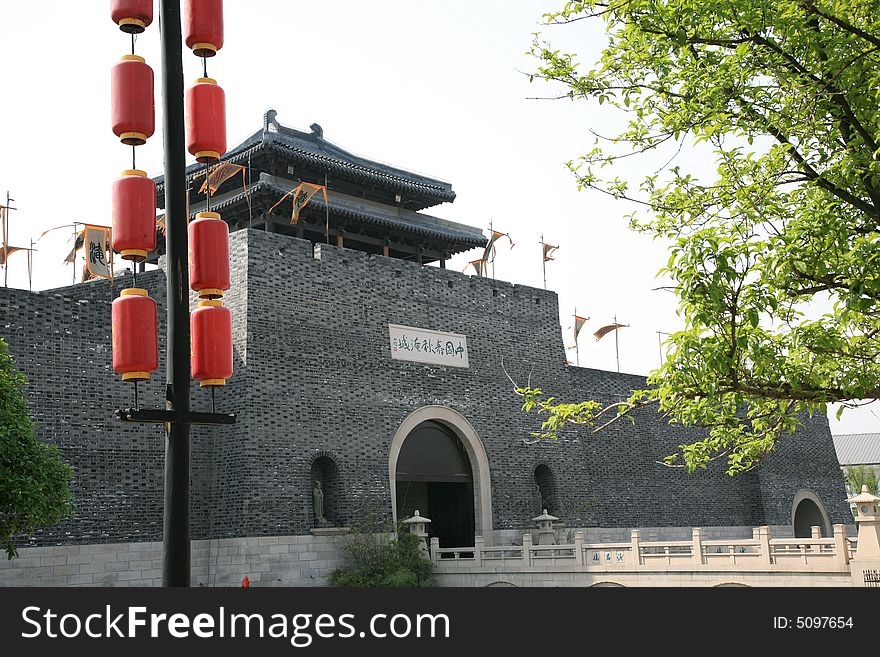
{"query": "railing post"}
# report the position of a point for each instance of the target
(478, 551)
(764, 545)
(579, 548)
(698, 547)
(636, 549)
(435, 549)
(841, 551)
(815, 532)
(527, 550)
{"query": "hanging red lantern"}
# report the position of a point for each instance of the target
(134, 334)
(132, 16)
(208, 255)
(203, 26)
(211, 335)
(134, 215)
(206, 120)
(132, 104)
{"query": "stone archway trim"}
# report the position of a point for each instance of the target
(805, 494)
(469, 437)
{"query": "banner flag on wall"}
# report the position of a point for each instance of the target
(605, 330)
(97, 240)
(578, 325)
(489, 252)
(302, 194)
(220, 174)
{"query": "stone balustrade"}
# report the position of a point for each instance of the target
(761, 553)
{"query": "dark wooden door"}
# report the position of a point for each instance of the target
(452, 513)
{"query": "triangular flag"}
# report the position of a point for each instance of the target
(548, 250)
(78, 243)
(7, 251)
(479, 266)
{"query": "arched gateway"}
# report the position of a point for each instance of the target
(438, 465)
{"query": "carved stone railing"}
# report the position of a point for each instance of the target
(759, 553)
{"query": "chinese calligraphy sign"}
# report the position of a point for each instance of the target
(427, 346)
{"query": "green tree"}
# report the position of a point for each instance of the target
(858, 476)
(775, 250)
(34, 482)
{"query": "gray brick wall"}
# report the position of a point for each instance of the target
(314, 377)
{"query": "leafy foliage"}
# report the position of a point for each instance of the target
(859, 476)
(775, 255)
(381, 558)
(34, 482)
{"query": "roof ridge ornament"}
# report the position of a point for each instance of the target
(317, 130)
(270, 123)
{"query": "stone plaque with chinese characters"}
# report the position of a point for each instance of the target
(427, 346)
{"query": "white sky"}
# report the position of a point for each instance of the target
(434, 86)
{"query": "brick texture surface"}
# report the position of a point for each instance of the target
(314, 378)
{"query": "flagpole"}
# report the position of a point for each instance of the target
(327, 206)
(616, 345)
(6, 240)
(660, 344)
(3, 236)
(30, 267)
(73, 276)
(577, 349)
(491, 234)
(250, 184)
(544, 260)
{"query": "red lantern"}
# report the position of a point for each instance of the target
(131, 93)
(211, 334)
(206, 120)
(132, 16)
(134, 215)
(134, 335)
(203, 26)
(208, 255)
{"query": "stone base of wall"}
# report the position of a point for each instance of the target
(266, 561)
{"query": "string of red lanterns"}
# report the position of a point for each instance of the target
(134, 318)
(208, 234)
(134, 326)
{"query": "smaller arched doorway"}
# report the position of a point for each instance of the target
(434, 476)
(807, 512)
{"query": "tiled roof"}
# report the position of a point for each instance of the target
(312, 149)
(372, 213)
(857, 448)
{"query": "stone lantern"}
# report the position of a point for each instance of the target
(865, 565)
(869, 524)
(418, 526)
(546, 535)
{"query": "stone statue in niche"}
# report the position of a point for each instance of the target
(318, 502)
(540, 495)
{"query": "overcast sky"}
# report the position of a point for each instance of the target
(433, 86)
